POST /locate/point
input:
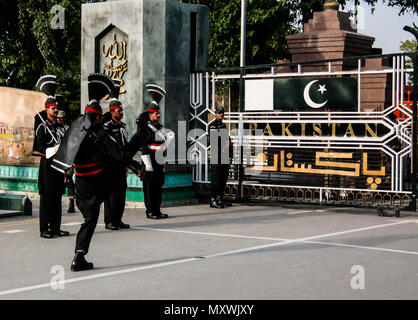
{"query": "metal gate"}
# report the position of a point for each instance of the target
(356, 150)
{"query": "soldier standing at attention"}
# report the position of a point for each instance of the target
(152, 141)
(114, 205)
(48, 135)
(220, 154)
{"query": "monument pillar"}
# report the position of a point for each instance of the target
(331, 35)
(141, 42)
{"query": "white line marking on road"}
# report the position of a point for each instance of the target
(276, 244)
(13, 231)
(361, 247)
(297, 212)
(210, 234)
(309, 211)
(100, 275)
(71, 224)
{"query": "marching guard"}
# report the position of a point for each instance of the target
(48, 135)
(91, 149)
(152, 141)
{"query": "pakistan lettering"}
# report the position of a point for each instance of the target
(227, 309)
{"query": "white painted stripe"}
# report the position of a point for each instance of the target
(308, 211)
(108, 274)
(273, 238)
(210, 234)
(297, 212)
(352, 230)
(71, 224)
(361, 247)
(95, 276)
(303, 240)
(13, 231)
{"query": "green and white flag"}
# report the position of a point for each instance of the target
(301, 94)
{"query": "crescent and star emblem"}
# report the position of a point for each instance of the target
(308, 99)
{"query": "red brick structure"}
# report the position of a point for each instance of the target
(330, 35)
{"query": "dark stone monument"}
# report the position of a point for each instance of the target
(331, 35)
(141, 42)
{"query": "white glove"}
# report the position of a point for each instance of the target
(170, 138)
(146, 159)
(49, 152)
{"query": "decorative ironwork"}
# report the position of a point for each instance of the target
(360, 157)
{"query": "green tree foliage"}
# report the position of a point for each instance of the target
(409, 46)
(268, 23)
(30, 47)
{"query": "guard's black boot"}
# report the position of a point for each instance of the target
(111, 226)
(122, 225)
(79, 263)
(71, 208)
(220, 201)
(47, 235)
(152, 215)
(162, 215)
(62, 233)
(214, 204)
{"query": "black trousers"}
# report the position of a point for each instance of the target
(50, 211)
(152, 184)
(51, 187)
(90, 194)
(114, 206)
(219, 177)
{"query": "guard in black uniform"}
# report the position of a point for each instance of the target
(93, 153)
(152, 141)
(48, 135)
(220, 155)
(114, 204)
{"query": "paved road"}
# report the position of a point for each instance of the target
(243, 252)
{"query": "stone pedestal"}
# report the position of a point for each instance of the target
(329, 35)
(141, 42)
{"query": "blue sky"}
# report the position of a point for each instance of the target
(385, 25)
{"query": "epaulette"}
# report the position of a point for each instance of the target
(107, 123)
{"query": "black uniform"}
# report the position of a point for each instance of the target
(50, 182)
(146, 141)
(93, 164)
(114, 205)
(219, 161)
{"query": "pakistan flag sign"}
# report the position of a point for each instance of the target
(301, 94)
